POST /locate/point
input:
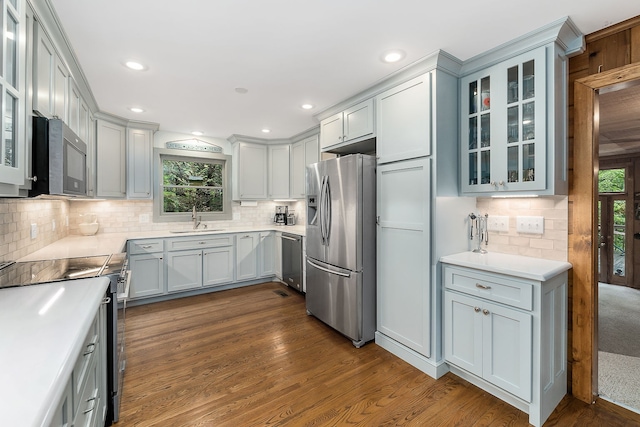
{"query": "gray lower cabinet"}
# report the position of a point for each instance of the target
(217, 266)
(197, 261)
(146, 260)
(247, 256)
(507, 335)
(84, 401)
(266, 253)
(184, 270)
(164, 267)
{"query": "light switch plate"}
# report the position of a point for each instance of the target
(530, 224)
(34, 230)
(497, 223)
(143, 218)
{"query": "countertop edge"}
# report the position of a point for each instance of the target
(108, 243)
(539, 269)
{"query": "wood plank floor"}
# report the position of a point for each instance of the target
(251, 357)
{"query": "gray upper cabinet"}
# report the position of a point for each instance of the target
(278, 171)
(351, 125)
(403, 121)
(139, 163)
(111, 160)
(51, 86)
(249, 171)
(503, 127)
(513, 115)
(303, 153)
(75, 99)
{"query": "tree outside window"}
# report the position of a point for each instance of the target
(199, 179)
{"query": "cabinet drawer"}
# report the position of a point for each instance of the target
(493, 287)
(89, 402)
(199, 242)
(88, 355)
(145, 246)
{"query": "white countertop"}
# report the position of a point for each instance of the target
(513, 265)
(111, 243)
(38, 348)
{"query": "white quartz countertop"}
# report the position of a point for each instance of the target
(43, 329)
(513, 265)
(110, 243)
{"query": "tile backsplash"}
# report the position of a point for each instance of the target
(120, 216)
(552, 244)
(16, 219)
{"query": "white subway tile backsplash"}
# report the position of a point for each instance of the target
(552, 244)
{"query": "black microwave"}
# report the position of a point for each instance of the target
(59, 160)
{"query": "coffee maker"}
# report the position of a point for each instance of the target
(281, 215)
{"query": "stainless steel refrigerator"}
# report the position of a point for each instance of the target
(341, 245)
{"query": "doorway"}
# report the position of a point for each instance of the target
(618, 362)
(584, 236)
(615, 211)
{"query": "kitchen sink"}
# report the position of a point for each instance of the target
(200, 230)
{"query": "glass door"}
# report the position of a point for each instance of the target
(613, 233)
(479, 132)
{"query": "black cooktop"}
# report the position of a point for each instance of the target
(52, 270)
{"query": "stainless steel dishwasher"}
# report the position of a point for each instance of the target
(292, 261)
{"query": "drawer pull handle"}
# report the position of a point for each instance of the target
(147, 246)
(476, 309)
(485, 312)
(90, 349)
(92, 401)
(202, 243)
(478, 285)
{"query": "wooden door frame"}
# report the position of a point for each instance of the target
(583, 247)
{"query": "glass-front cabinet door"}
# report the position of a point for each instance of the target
(503, 126)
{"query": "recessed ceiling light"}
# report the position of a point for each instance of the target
(135, 65)
(197, 133)
(265, 130)
(136, 110)
(241, 90)
(307, 106)
(391, 56)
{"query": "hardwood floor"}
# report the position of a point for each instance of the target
(251, 357)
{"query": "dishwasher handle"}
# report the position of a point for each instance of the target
(291, 238)
(326, 270)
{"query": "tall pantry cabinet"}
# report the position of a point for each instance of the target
(417, 188)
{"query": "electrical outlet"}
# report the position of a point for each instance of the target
(530, 224)
(497, 223)
(34, 230)
(53, 225)
(143, 218)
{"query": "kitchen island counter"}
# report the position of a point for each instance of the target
(43, 331)
(110, 243)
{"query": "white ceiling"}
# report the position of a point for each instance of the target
(285, 52)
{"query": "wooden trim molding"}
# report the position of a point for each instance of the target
(583, 252)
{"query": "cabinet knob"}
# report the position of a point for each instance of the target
(476, 309)
(485, 312)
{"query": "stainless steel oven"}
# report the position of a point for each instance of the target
(115, 266)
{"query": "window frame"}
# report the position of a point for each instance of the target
(160, 154)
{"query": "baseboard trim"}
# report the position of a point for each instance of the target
(434, 370)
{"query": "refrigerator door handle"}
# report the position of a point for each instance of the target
(326, 270)
(327, 210)
(321, 209)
